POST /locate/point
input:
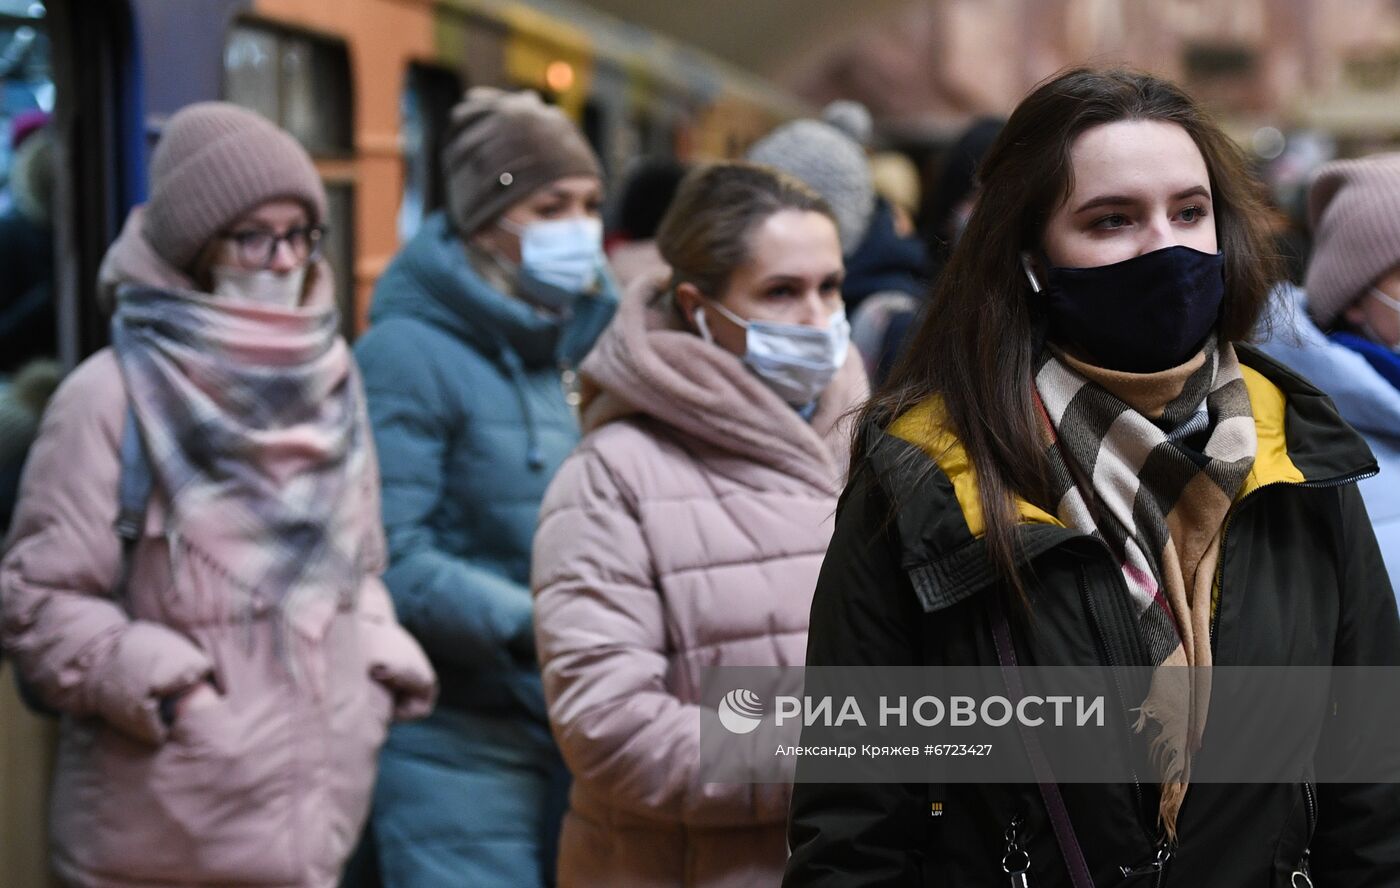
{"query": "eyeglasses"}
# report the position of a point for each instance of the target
(257, 247)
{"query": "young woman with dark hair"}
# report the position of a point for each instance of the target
(1078, 463)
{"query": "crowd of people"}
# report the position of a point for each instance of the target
(435, 609)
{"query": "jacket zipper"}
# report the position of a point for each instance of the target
(1311, 803)
(1016, 862)
(1302, 873)
(1157, 866)
(1225, 529)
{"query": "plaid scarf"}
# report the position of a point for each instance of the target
(1150, 464)
(255, 429)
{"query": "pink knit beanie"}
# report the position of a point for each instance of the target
(216, 161)
(500, 147)
(1354, 212)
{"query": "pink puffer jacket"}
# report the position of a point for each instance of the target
(268, 785)
(686, 532)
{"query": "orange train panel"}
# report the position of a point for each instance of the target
(383, 36)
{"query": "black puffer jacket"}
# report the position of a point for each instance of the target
(1302, 584)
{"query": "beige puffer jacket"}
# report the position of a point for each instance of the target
(686, 532)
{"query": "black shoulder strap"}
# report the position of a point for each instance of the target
(1073, 854)
(133, 495)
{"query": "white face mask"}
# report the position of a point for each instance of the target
(1393, 304)
(261, 286)
(564, 253)
(796, 361)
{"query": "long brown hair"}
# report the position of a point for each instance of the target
(976, 345)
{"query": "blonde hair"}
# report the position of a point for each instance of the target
(705, 233)
(897, 180)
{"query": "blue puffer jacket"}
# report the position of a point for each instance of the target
(1365, 399)
(467, 396)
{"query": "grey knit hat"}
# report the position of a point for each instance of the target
(851, 118)
(1354, 212)
(216, 161)
(501, 147)
(832, 164)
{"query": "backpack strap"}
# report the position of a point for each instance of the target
(133, 496)
(1070, 850)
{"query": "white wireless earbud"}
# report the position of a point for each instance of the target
(702, 325)
(1030, 272)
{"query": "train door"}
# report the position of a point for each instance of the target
(28, 345)
(28, 320)
(70, 164)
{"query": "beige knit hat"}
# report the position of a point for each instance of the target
(500, 147)
(216, 161)
(1354, 212)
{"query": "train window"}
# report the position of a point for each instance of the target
(27, 319)
(594, 132)
(29, 368)
(300, 81)
(426, 105)
(339, 247)
(250, 71)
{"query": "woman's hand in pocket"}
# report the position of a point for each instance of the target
(399, 664)
(195, 697)
(383, 701)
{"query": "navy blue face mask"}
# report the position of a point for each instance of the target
(1142, 315)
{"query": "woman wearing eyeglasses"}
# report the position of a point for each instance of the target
(225, 659)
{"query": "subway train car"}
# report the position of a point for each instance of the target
(366, 85)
